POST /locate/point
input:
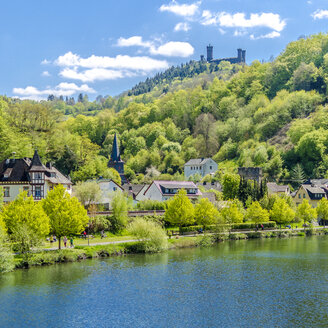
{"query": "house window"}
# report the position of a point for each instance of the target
(6, 191)
(191, 168)
(303, 195)
(114, 188)
(299, 195)
(210, 167)
(37, 191)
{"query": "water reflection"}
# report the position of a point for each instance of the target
(257, 283)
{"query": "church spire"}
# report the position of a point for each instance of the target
(115, 156)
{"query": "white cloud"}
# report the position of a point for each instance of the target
(239, 20)
(270, 35)
(133, 41)
(139, 63)
(320, 14)
(174, 49)
(62, 89)
(93, 74)
(239, 33)
(182, 27)
(169, 49)
(185, 10)
(45, 62)
(45, 73)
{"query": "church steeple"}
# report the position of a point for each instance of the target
(36, 164)
(115, 156)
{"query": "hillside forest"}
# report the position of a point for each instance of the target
(271, 115)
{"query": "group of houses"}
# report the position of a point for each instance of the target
(31, 175)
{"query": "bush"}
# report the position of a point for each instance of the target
(99, 223)
(149, 205)
(151, 236)
(237, 236)
(6, 256)
(206, 241)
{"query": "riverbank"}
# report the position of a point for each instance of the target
(80, 253)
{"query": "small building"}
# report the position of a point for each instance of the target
(310, 192)
(202, 166)
(251, 173)
(214, 185)
(276, 189)
(30, 175)
(132, 190)
(108, 187)
(116, 162)
(164, 190)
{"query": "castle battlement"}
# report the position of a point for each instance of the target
(240, 59)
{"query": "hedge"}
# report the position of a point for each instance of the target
(234, 226)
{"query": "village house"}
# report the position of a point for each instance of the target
(310, 192)
(202, 166)
(164, 190)
(107, 188)
(275, 189)
(30, 175)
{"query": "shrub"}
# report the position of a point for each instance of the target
(206, 241)
(151, 236)
(6, 256)
(99, 223)
(148, 205)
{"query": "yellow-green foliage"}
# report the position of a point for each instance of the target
(231, 214)
(255, 213)
(24, 211)
(205, 212)
(281, 212)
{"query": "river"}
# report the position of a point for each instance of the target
(255, 283)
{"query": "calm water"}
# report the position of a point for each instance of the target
(259, 283)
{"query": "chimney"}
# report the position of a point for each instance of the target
(49, 165)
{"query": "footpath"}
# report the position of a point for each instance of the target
(184, 236)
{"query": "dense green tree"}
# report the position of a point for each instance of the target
(67, 215)
(87, 192)
(205, 212)
(119, 207)
(322, 210)
(305, 212)
(281, 212)
(230, 184)
(180, 210)
(255, 213)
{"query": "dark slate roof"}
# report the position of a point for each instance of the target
(177, 185)
(115, 156)
(313, 191)
(132, 189)
(36, 164)
(15, 170)
(59, 178)
(197, 161)
(317, 182)
(210, 185)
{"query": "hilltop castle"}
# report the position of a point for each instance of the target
(240, 59)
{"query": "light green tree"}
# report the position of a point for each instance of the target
(305, 212)
(150, 234)
(322, 210)
(232, 214)
(25, 211)
(255, 213)
(6, 254)
(230, 185)
(67, 215)
(112, 174)
(87, 192)
(120, 206)
(205, 212)
(180, 210)
(281, 212)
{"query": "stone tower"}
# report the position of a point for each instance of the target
(209, 53)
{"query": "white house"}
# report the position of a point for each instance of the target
(30, 175)
(164, 190)
(202, 166)
(108, 187)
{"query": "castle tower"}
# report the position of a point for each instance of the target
(209, 53)
(240, 55)
(243, 55)
(116, 162)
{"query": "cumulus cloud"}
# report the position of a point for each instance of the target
(182, 27)
(174, 49)
(62, 89)
(140, 63)
(169, 49)
(239, 20)
(320, 14)
(95, 74)
(271, 35)
(133, 41)
(186, 10)
(45, 73)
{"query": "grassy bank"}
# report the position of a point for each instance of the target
(80, 253)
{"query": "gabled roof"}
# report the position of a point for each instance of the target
(36, 164)
(317, 182)
(313, 191)
(109, 180)
(198, 161)
(162, 185)
(272, 186)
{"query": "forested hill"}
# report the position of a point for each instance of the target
(162, 81)
(272, 115)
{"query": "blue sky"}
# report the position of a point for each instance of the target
(105, 46)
